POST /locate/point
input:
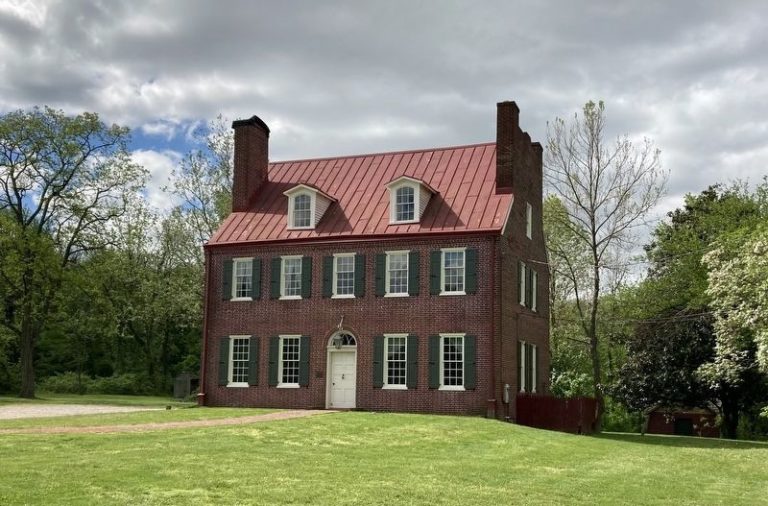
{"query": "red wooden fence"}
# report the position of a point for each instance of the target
(575, 415)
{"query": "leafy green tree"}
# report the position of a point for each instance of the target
(63, 179)
(607, 189)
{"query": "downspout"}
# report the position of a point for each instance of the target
(207, 266)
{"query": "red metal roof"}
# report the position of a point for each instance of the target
(463, 176)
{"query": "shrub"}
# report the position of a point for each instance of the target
(123, 384)
(67, 383)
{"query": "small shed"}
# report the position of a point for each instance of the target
(184, 384)
(682, 421)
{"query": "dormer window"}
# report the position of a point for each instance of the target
(306, 206)
(405, 204)
(408, 197)
(302, 211)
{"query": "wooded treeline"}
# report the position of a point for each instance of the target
(100, 293)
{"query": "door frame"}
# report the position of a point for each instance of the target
(331, 350)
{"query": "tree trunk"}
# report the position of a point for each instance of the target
(593, 345)
(28, 337)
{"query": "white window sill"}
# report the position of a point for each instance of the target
(396, 295)
(300, 228)
(453, 293)
(290, 297)
(241, 299)
(288, 385)
(394, 387)
(344, 296)
(237, 385)
(406, 222)
(452, 388)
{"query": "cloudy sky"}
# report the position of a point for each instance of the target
(353, 77)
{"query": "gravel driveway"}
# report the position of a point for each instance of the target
(44, 410)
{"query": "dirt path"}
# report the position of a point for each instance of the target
(100, 429)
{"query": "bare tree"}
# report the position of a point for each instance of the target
(607, 190)
(63, 179)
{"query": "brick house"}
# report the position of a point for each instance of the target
(404, 281)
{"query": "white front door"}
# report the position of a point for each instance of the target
(343, 379)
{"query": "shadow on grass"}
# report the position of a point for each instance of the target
(682, 441)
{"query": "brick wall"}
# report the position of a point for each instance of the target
(365, 317)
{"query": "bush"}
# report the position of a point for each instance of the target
(618, 419)
(123, 384)
(66, 383)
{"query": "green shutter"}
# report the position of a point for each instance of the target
(413, 273)
(256, 279)
(381, 274)
(470, 278)
(327, 276)
(226, 281)
(434, 361)
(520, 358)
(223, 361)
(304, 361)
(412, 373)
(470, 362)
(306, 277)
(253, 361)
(378, 361)
(359, 275)
(274, 359)
(435, 265)
(274, 279)
(534, 368)
(528, 367)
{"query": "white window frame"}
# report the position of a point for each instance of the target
(393, 202)
(230, 364)
(280, 383)
(528, 220)
(387, 290)
(534, 360)
(386, 385)
(334, 295)
(534, 290)
(312, 210)
(521, 268)
(443, 251)
(233, 294)
(443, 386)
(282, 276)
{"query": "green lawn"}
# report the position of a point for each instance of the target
(366, 458)
(115, 400)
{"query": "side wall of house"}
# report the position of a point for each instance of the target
(365, 317)
(515, 322)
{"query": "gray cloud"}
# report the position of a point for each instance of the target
(354, 77)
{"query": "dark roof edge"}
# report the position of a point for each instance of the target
(253, 120)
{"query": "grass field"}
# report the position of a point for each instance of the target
(367, 458)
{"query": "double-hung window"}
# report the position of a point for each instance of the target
(405, 204)
(395, 361)
(242, 278)
(290, 355)
(528, 355)
(290, 286)
(302, 211)
(238, 361)
(397, 273)
(528, 286)
(453, 271)
(344, 275)
(451, 361)
(528, 220)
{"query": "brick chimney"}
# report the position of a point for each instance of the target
(251, 160)
(507, 139)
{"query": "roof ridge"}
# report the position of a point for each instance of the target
(365, 155)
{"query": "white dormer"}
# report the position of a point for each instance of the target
(408, 197)
(306, 206)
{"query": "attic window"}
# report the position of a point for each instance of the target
(408, 197)
(306, 206)
(405, 204)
